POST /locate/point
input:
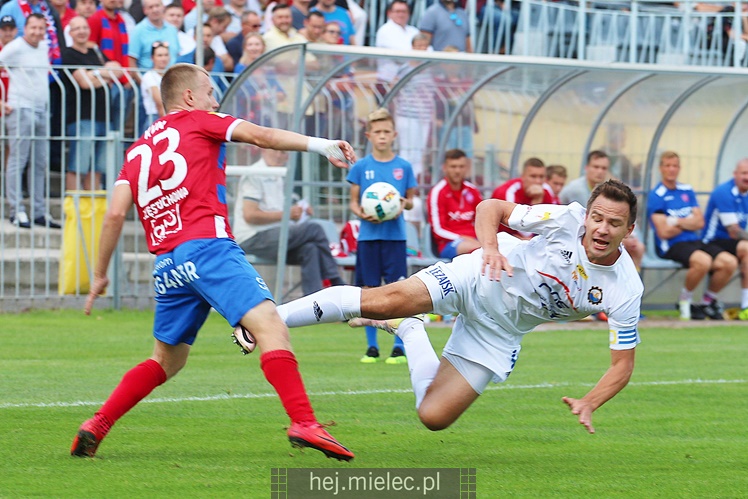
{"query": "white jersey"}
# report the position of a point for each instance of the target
(552, 281)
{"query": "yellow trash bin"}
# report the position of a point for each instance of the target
(84, 215)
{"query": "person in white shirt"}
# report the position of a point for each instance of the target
(575, 267)
(26, 116)
(395, 34)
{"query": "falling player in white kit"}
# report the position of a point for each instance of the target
(575, 267)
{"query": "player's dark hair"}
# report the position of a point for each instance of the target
(552, 170)
(595, 155)
(454, 154)
(393, 2)
(533, 162)
(615, 190)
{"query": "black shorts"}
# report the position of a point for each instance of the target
(681, 252)
(729, 245)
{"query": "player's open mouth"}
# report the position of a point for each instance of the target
(600, 244)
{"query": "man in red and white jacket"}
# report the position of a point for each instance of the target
(451, 208)
(530, 188)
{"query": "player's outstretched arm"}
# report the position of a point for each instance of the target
(339, 152)
(615, 378)
(110, 232)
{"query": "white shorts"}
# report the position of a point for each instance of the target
(476, 336)
(475, 374)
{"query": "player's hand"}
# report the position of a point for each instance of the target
(370, 218)
(296, 212)
(98, 287)
(342, 155)
(494, 263)
(582, 409)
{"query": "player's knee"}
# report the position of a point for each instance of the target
(434, 420)
(725, 261)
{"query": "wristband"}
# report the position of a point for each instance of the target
(325, 147)
(672, 221)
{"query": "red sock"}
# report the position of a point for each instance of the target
(282, 371)
(136, 384)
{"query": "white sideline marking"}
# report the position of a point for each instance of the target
(226, 396)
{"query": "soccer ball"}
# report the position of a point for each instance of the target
(381, 201)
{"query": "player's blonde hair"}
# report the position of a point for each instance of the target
(380, 114)
(176, 80)
(668, 155)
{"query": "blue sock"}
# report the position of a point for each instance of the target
(371, 336)
(398, 343)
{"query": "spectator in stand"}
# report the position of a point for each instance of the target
(331, 34)
(86, 108)
(451, 204)
(414, 110)
(235, 8)
(257, 223)
(395, 34)
(677, 220)
(150, 84)
(27, 57)
(254, 47)
(596, 171)
(83, 8)
(381, 247)
(282, 33)
(64, 11)
(55, 38)
(300, 10)
(218, 20)
(190, 15)
(150, 30)
(109, 33)
(174, 15)
(555, 177)
(8, 32)
(314, 27)
(445, 23)
(251, 23)
(726, 219)
(340, 16)
(529, 189)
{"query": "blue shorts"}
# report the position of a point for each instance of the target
(196, 276)
(450, 250)
(378, 260)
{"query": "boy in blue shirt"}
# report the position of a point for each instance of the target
(381, 253)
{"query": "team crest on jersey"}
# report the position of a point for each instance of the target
(595, 295)
(684, 197)
(567, 255)
(398, 173)
(165, 223)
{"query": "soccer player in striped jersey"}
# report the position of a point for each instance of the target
(175, 175)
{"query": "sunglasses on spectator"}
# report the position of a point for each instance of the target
(457, 20)
(333, 31)
(258, 25)
(160, 44)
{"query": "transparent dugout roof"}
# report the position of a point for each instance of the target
(504, 109)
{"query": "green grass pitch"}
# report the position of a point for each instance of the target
(678, 430)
